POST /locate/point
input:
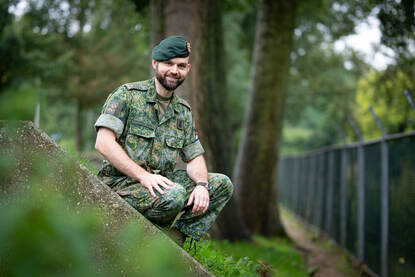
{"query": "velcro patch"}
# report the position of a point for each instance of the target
(180, 124)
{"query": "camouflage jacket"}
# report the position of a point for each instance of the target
(131, 112)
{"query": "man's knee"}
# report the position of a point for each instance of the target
(228, 185)
(225, 184)
(173, 199)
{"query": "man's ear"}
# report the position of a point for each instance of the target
(188, 67)
(154, 63)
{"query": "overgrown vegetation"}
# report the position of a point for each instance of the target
(261, 257)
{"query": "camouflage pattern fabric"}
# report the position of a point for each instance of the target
(132, 113)
(164, 209)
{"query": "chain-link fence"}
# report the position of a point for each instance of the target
(362, 195)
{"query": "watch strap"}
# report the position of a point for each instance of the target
(204, 184)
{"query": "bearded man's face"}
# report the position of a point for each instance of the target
(171, 73)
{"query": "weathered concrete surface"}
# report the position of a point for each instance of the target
(32, 148)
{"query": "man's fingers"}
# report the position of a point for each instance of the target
(150, 189)
(164, 184)
(196, 205)
(203, 206)
(192, 195)
(158, 188)
(206, 205)
(167, 181)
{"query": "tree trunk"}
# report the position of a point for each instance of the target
(157, 28)
(157, 33)
(255, 171)
(185, 18)
(214, 119)
(200, 22)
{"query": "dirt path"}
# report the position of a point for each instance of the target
(322, 259)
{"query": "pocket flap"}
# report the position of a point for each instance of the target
(142, 129)
(174, 142)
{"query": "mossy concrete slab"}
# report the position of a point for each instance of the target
(32, 149)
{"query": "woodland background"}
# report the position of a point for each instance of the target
(266, 79)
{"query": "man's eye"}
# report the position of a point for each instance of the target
(182, 66)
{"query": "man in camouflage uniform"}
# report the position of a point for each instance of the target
(142, 128)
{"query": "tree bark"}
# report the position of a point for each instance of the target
(157, 28)
(214, 118)
(200, 22)
(185, 18)
(255, 171)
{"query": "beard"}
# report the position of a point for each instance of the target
(169, 85)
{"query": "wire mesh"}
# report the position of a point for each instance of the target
(402, 207)
(306, 187)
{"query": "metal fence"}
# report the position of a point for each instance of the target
(362, 195)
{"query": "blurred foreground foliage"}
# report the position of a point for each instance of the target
(42, 237)
(47, 228)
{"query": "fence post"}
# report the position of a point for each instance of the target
(408, 96)
(311, 189)
(279, 188)
(384, 203)
(320, 184)
(37, 115)
(283, 183)
(360, 193)
(303, 187)
(343, 189)
(330, 191)
(288, 181)
(296, 185)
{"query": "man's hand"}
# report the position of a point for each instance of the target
(200, 197)
(154, 181)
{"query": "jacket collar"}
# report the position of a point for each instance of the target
(151, 96)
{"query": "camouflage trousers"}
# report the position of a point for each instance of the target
(164, 209)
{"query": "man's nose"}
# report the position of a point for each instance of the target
(173, 69)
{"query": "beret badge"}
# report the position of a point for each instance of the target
(189, 49)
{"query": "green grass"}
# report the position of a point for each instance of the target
(85, 162)
(262, 257)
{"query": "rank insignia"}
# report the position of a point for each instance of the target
(180, 124)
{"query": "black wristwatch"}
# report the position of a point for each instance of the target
(206, 185)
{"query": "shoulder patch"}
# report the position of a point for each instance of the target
(185, 103)
(136, 86)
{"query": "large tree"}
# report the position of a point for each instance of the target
(255, 169)
(205, 87)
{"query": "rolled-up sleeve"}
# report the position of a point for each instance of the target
(193, 150)
(115, 112)
(192, 146)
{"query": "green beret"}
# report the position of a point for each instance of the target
(171, 47)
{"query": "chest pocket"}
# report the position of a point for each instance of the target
(174, 142)
(139, 140)
(170, 153)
